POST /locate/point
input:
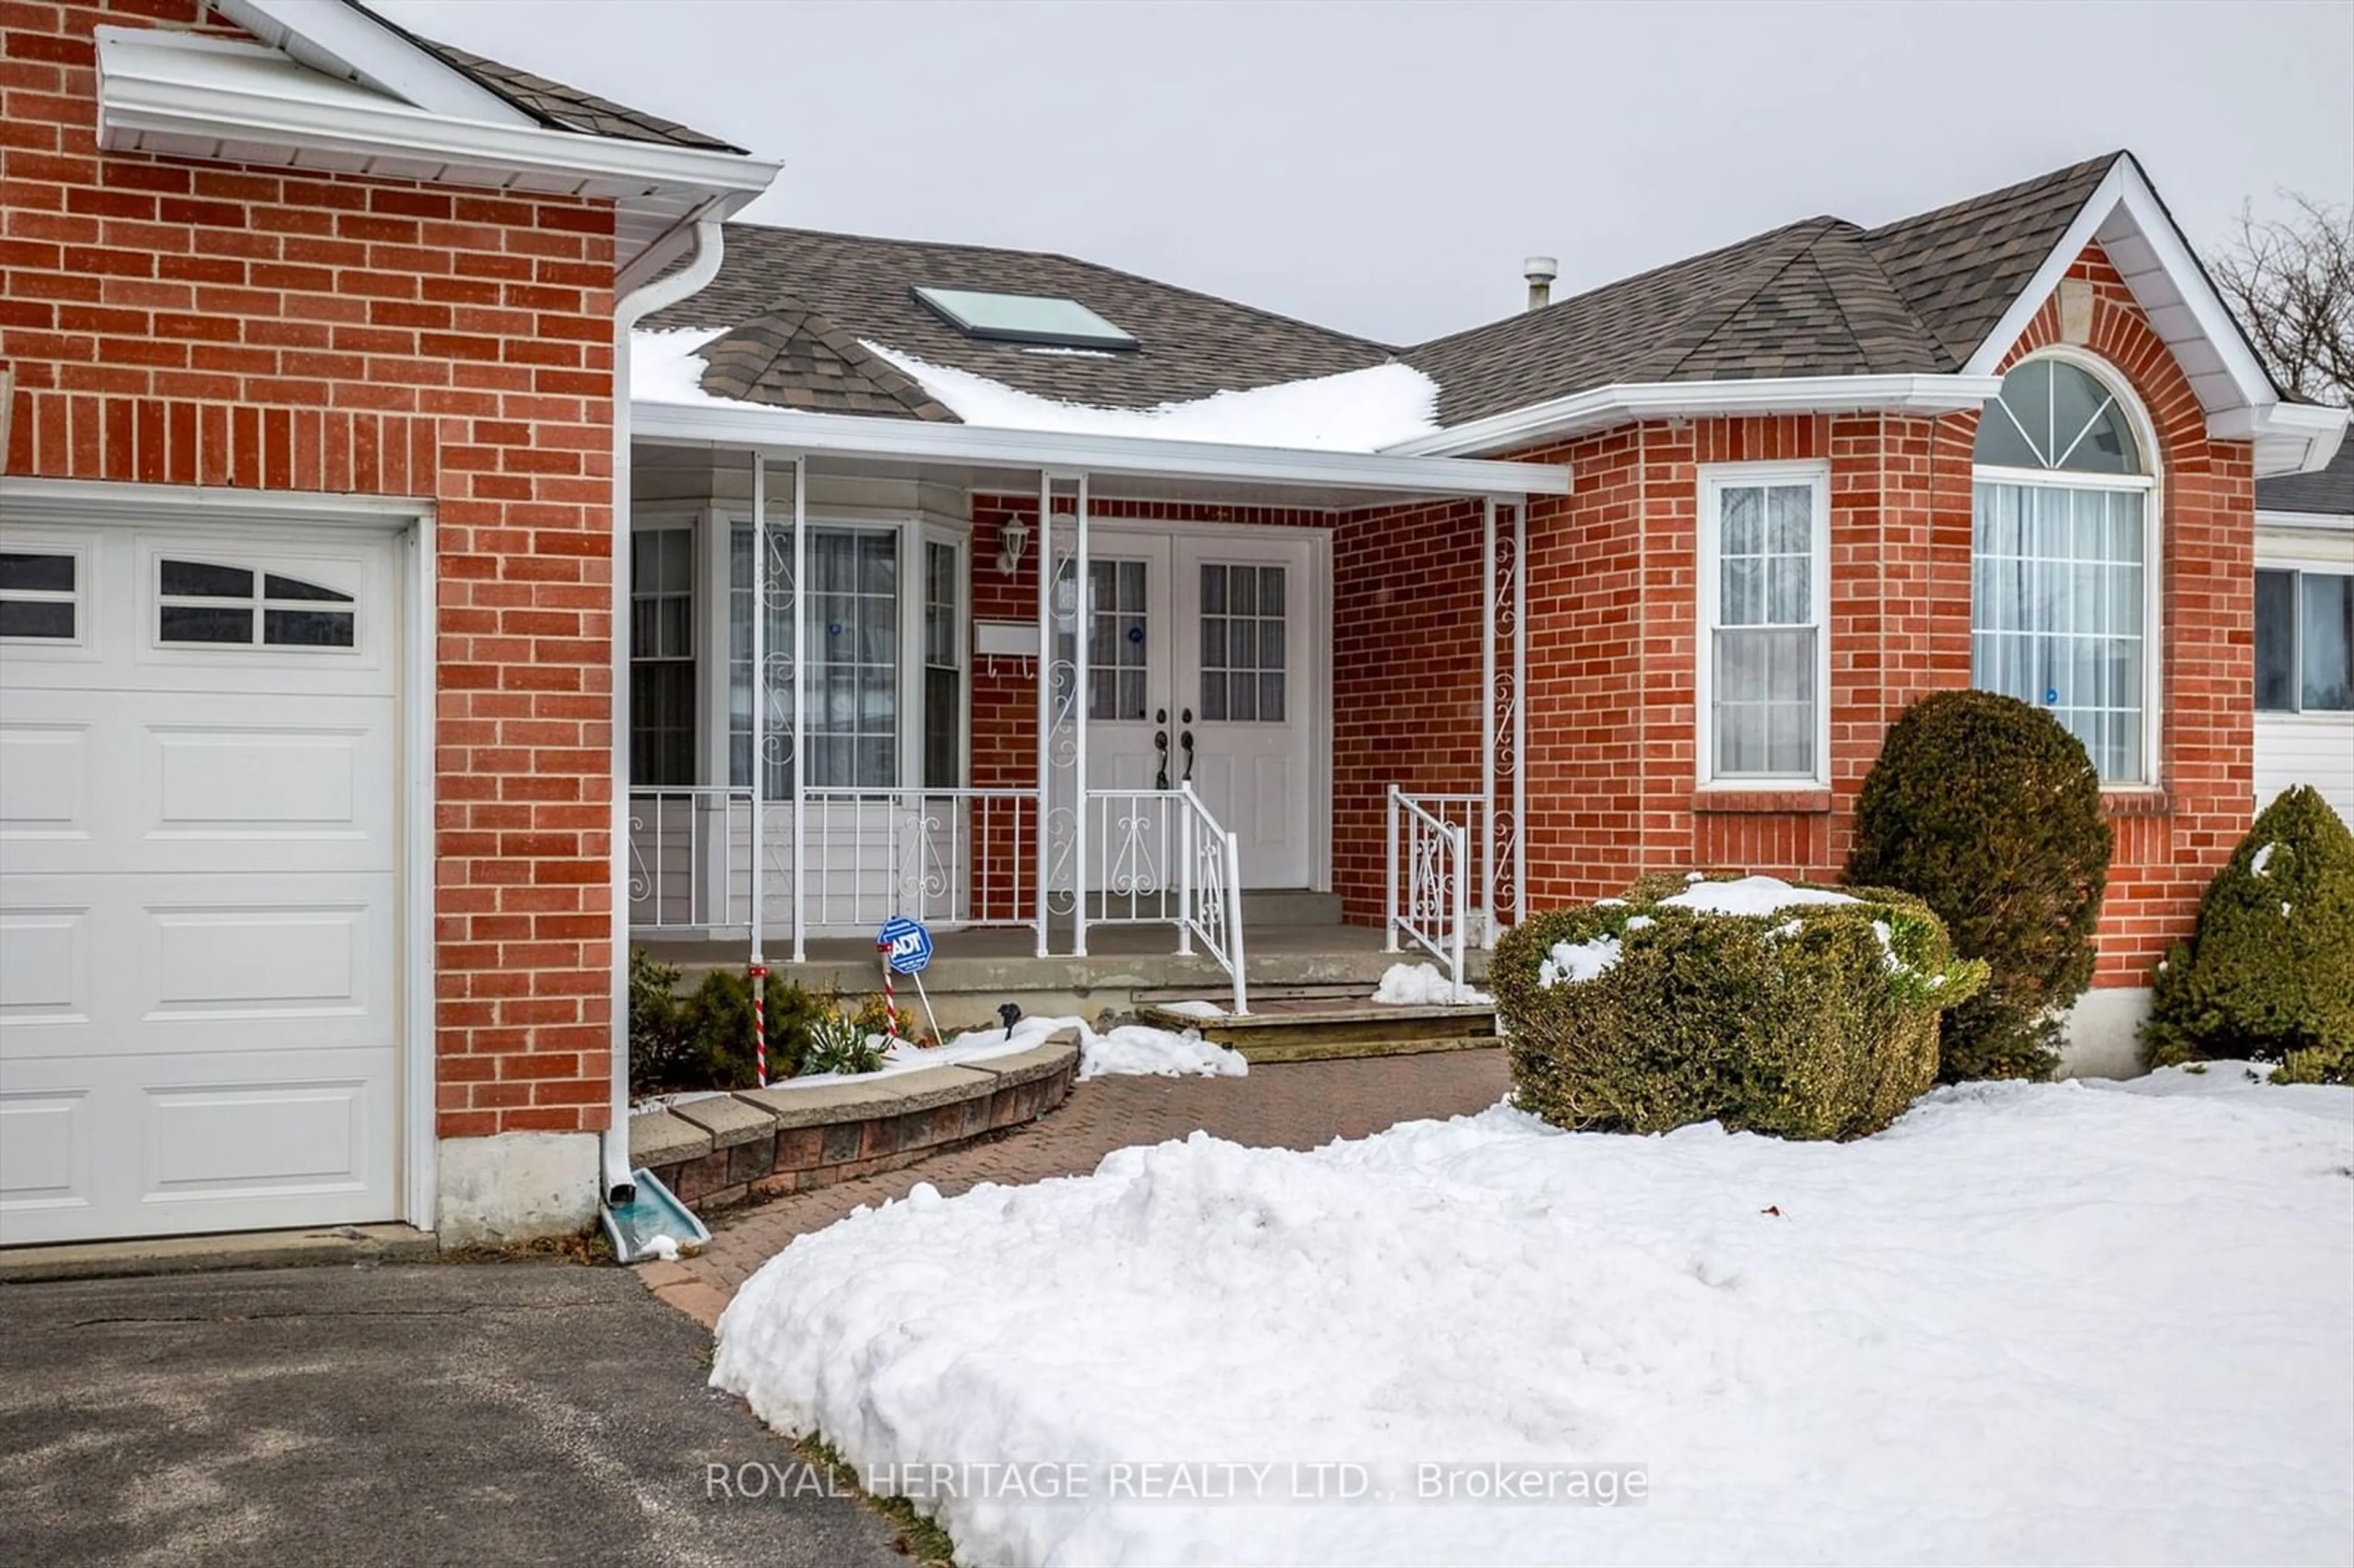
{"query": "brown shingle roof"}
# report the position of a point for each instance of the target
(554, 103)
(1191, 344)
(1821, 297)
(1960, 267)
(1817, 298)
(795, 358)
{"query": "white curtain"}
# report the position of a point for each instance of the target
(2057, 611)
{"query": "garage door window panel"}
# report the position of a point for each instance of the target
(40, 595)
(215, 603)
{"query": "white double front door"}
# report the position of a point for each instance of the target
(1205, 663)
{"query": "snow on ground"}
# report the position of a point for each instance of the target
(1355, 411)
(2050, 1323)
(1422, 985)
(1131, 1048)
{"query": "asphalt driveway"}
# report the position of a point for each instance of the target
(431, 1413)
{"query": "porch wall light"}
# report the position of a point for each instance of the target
(1012, 539)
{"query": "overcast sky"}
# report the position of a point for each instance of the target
(1383, 168)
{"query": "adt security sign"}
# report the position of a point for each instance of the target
(907, 946)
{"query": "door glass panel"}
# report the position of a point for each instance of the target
(1119, 640)
(204, 579)
(1243, 643)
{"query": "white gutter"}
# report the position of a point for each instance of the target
(2315, 432)
(710, 243)
(1557, 417)
(151, 84)
(983, 446)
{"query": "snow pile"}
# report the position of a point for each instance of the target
(2070, 1322)
(1195, 1009)
(1572, 963)
(1355, 411)
(1135, 1049)
(906, 1056)
(1750, 895)
(1421, 985)
(2264, 858)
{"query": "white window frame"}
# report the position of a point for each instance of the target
(958, 542)
(83, 598)
(2300, 569)
(1715, 480)
(2153, 546)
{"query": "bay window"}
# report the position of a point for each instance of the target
(1765, 660)
(2061, 560)
(2305, 641)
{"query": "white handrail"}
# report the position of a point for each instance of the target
(1429, 880)
(1155, 843)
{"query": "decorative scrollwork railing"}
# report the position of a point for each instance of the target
(1166, 860)
(1430, 875)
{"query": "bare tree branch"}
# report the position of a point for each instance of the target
(2291, 282)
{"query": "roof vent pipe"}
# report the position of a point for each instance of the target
(1540, 270)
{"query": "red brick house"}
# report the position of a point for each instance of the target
(333, 785)
(306, 781)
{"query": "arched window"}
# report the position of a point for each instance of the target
(2060, 602)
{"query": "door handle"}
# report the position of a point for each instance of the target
(1161, 745)
(1186, 741)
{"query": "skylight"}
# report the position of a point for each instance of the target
(1024, 317)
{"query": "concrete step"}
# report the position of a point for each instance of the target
(1314, 1030)
(1290, 906)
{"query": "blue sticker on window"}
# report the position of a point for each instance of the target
(834, 629)
(2051, 696)
(1136, 634)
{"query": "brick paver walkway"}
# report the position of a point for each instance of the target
(1290, 1106)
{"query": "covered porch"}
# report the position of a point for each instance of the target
(1121, 791)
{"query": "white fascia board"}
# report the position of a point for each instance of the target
(343, 40)
(1603, 407)
(979, 446)
(176, 85)
(2330, 523)
(2125, 189)
(2290, 438)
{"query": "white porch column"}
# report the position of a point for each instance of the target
(1084, 661)
(1045, 557)
(801, 706)
(1504, 720)
(760, 705)
(1488, 915)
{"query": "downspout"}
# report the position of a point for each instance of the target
(709, 240)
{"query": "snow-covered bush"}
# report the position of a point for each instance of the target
(2269, 974)
(1989, 811)
(1803, 1012)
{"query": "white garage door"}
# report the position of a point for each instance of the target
(199, 733)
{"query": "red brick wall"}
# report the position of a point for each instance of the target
(202, 324)
(1612, 610)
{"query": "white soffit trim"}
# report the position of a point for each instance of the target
(198, 97)
(979, 446)
(342, 40)
(2144, 244)
(1602, 407)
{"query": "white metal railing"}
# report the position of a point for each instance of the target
(682, 875)
(1164, 859)
(1430, 875)
(950, 858)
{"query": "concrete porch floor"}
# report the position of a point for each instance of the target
(973, 971)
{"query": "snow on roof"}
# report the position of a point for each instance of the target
(1355, 411)
(663, 368)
